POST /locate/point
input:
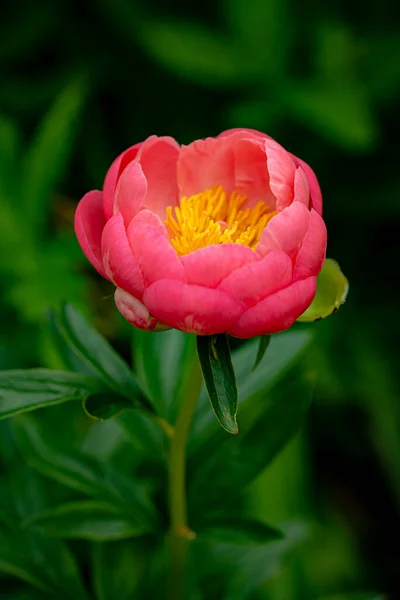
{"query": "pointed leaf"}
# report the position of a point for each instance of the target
(340, 111)
(88, 520)
(275, 422)
(49, 152)
(219, 378)
(87, 349)
(197, 53)
(285, 349)
(82, 472)
(25, 390)
(332, 288)
(262, 348)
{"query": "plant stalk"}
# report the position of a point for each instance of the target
(180, 533)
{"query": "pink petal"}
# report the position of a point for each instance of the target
(158, 158)
(246, 132)
(315, 190)
(119, 262)
(301, 189)
(131, 192)
(255, 281)
(151, 247)
(276, 312)
(192, 308)
(311, 256)
(281, 169)
(135, 312)
(89, 224)
(235, 162)
(208, 266)
(112, 176)
(285, 231)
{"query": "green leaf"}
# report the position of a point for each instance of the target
(332, 288)
(88, 520)
(82, 472)
(234, 572)
(25, 390)
(219, 378)
(49, 559)
(9, 149)
(238, 530)
(43, 563)
(49, 152)
(265, 28)
(340, 112)
(159, 363)
(197, 53)
(118, 567)
(284, 350)
(105, 405)
(275, 422)
(356, 596)
(262, 348)
(86, 349)
(15, 563)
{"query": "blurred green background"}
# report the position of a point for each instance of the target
(80, 82)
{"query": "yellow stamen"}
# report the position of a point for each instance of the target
(212, 218)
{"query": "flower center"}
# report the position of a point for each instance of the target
(213, 218)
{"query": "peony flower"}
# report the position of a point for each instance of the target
(224, 235)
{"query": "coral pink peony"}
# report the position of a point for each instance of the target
(224, 235)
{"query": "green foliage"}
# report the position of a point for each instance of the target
(103, 502)
(87, 520)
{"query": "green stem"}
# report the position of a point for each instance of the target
(180, 534)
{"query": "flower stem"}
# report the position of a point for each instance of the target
(180, 534)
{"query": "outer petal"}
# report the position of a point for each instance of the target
(130, 192)
(246, 132)
(150, 245)
(276, 312)
(315, 190)
(301, 189)
(234, 162)
(119, 262)
(112, 176)
(135, 312)
(89, 224)
(255, 281)
(285, 231)
(281, 169)
(158, 158)
(192, 308)
(208, 266)
(311, 256)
